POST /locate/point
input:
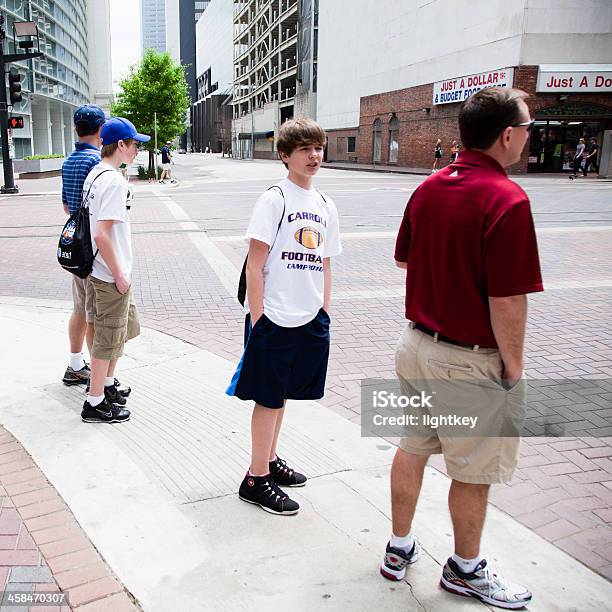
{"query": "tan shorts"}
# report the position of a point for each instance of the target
(467, 383)
(83, 298)
(116, 320)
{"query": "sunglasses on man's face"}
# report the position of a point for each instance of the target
(526, 124)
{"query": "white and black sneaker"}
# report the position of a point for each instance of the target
(113, 395)
(284, 476)
(484, 584)
(104, 412)
(123, 389)
(396, 560)
(264, 492)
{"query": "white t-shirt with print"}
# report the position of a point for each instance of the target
(108, 201)
(293, 273)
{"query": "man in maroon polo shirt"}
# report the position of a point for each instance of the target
(468, 244)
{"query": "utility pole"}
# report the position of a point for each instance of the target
(155, 154)
(24, 28)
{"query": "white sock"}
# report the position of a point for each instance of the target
(109, 381)
(405, 542)
(94, 400)
(467, 566)
(258, 475)
(76, 361)
(273, 460)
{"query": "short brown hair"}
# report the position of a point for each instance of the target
(487, 113)
(84, 129)
(109, 149)
(296, 133)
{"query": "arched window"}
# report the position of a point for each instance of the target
(393, 139)
(376, 141)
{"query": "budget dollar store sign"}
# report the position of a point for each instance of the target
(461, 88)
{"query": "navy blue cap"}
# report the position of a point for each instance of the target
(90, 115)
(117, 129)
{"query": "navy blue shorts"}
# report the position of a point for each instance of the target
(281, 363)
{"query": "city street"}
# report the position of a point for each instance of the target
(186, 447)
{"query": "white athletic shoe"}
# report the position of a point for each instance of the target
(395, 561)
(484, 584)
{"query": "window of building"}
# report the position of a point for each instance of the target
(351, 142)
(393, 139)
(376, 141)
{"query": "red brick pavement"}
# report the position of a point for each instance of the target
(563, 487)
(42, 547)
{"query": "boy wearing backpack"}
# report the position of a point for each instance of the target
(293, 233)
(116, 321)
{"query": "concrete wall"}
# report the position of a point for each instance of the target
(99, 53)
(394, 44)
(214, 43)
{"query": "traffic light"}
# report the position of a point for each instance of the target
(15, 87)
(15, 123)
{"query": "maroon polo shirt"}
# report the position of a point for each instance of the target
(467, 234)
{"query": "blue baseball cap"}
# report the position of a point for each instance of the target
(117, 129)
(90, 115)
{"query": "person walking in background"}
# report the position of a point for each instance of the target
(578, 157)
(166, 158)
(437, 155)
(591, 157)
(467, 307)
(88, 121)
(454, 152)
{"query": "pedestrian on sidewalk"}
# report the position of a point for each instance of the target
(88, 121)
(467, 305)
(293, 233)
(591, 157)
(437, 156)
(116, 320)
(454, 152)
(578, 156)
(166, 164)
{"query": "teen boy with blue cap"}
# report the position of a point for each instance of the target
(107, 195)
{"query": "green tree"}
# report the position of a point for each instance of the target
(156, 85)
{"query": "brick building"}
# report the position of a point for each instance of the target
(387, 103)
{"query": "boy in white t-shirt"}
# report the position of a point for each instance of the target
(107, 194)
(293, 232)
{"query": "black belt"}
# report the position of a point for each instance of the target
(440, 338)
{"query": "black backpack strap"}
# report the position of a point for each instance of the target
(84, 199)
(282, 216)
(322, 196)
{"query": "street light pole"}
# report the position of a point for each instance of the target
(155, 153)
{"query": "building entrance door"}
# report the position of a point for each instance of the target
(555, 135)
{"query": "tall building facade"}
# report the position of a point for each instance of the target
(275, 70)
(386, 95)
(75, 69)
(153, 25)
(211, 115)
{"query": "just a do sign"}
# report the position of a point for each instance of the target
(568, 78)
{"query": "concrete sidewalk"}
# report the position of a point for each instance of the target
(157, 495)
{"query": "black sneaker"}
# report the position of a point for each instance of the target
(123, 390)
(77, 377)
(104, 412)
(285, 476)
(396, 560)
(113, 396)
(264, 492)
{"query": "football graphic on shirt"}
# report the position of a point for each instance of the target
(309, 237)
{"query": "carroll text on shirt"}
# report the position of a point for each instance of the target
(306, 216)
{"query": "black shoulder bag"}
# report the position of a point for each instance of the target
(242, 283)
(74, 251)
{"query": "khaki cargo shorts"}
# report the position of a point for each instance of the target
(116, 320)
(83, 298)
(466, 383)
